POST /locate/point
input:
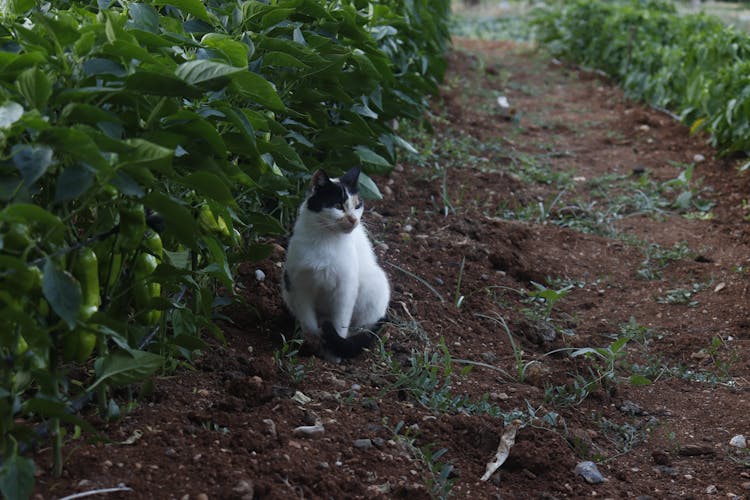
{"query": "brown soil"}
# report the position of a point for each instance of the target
(226, 428)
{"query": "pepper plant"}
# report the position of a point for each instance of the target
(692, 65)
(148, 147)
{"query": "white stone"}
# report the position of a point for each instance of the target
(738, 441)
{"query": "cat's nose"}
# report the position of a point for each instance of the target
(351, 219)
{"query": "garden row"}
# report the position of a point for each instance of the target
(693, 65)
(147, 148)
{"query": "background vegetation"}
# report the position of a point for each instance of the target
(693, 65)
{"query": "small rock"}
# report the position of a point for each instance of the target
(201, 496)
(363, 444)
(84, 483)
(245, 488)
(370, 404)
(746, 485)
(630, 408)
(738, 441)
(489, 357)
(408, 228)
(712, 490)
(589, 472)
(170, 452)
(309, 431)
(439, 282)
(666, 470)
(499, 396)
(379, 442)
(699, 158)
(356, 387)
(260, 275)
(270, 427)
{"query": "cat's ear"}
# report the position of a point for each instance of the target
(351, 178)
(320, 179)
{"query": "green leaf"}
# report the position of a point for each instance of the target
(126, 367)
(264, 224)
(35, 86)
(152, 83)
(367, 155)
(237, 53)
(62, 291)
(178, 219)
(17, 477)
(253, 86)
(202, 71)
(368, 188)
(193, 7)
(10, 113)
(639, 380)
(147, 154)
(32, 161)
(210, 185)
(73, 182)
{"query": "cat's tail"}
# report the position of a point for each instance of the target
(351, 346)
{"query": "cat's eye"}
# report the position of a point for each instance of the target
(359, 205)
(338, 206)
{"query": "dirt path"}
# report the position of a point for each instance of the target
(575, 188)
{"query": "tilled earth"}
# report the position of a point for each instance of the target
(573, 187)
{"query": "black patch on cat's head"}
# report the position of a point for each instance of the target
(328, 193)
(287, 282)
(351, 180)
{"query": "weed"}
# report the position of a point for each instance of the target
(288, 361)
(623, 436)
(682, 296)
(657, 258)
(439, 482)
(543, 300)
(517, 351)
(458, 298)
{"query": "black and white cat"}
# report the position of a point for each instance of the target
(333, 284)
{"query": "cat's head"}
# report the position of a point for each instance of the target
(336, 202)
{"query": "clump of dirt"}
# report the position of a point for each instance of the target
(545, 254)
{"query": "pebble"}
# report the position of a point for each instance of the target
(170, 452)
(408, 228)
(309, 431)
(270, 427)
(260, 275)
(589, 472)
(738, 441)
(666, 470)
(712, 490)
(746, 485)
(630, 408)
(363, 444)
(201, 496)
(379, 442)
(699, 158)
(245, 488)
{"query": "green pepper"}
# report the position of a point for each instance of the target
(78, 345)
(86, 270)
(154, 245)
(145, 264)
(207, 220)
(132, 227)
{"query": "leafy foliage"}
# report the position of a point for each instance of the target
(148, 147)
(692, 64)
